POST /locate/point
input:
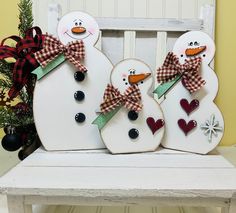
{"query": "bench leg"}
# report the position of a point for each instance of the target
(225, 210)
(16, 205)
(232, 207)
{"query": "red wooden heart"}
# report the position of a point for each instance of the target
(187, 127)
(189, 107)
(155, 125)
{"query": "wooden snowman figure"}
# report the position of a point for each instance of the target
(131, 120)
(65, 100)
(193, 121)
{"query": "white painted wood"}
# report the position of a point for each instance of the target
(108, 8)
(54, 14)
(145, 160)
(115, 133)
(232, 207)
(172, 9)
(161, 52)
(155, 9)
(196, 140)
(225, 209)
(188, 9)
(57, 90)
(100, 186)
(129, 44)
(207, 14)
(16, 204)
(99, 42)
(140, 24)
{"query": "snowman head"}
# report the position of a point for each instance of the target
(129, 72)
(195, 44)
(78, 26)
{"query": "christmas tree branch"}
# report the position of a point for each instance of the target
(26, 16)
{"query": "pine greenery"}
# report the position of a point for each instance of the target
(7, 115)
(25, 17)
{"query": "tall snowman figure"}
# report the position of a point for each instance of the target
(65, 100)
(133, 120)
(193, 121)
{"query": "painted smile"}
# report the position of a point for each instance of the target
(78, 38)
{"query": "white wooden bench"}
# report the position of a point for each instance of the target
(96, 177)
(91, 178)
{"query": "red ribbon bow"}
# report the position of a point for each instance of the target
(52, 47)
(23, 53)
(113, 98)
(189, 72)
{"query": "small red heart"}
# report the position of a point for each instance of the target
(186, 128)
(189, 107)
(155, 125)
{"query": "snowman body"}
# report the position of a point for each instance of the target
(115, 133)
(59, 97)
(198, 126)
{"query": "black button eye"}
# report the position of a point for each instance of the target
(196, 43)
(133, 133)
(80, 23)
(79, 76)
(76, 23)
(191, 43)
(132, 115)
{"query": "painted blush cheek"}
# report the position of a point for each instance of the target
(124, 75)
(64, 30)
(92, 30)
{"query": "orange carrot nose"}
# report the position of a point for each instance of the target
(134, 79)
(194, 51)
(78, 30)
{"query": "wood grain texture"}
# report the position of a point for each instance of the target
(16, 204)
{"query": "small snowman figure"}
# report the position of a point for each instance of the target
(65, 100)
(134, 120)
(193, 121)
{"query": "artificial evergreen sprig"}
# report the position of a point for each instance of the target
(26, 16)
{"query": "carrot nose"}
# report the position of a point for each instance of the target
(134, 79)
(78, 30)
(194, 51)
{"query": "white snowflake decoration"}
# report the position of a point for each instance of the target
(211, 127)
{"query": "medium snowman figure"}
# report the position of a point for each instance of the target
(65, 100)
(131, 120)
(193, 121)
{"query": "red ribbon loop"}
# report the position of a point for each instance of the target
(23, 54)
(131, 99)
(52, 47)
(189, 71)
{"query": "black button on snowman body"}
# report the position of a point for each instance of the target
(79, 96)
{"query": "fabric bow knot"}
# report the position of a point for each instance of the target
(52, 48)
(189, 72)
(131, 99)
(23, 54)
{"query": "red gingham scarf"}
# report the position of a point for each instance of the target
(52, 47)
(23, 53)
(189, 72)
(113, 98)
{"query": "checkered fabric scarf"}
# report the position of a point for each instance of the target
(23, 54)
(189, 71)
(113, 98)
(52, 47)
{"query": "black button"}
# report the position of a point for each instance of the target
(79, 76)
(133, 133)
(132, 115)
(79, 96)
(80, 117)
